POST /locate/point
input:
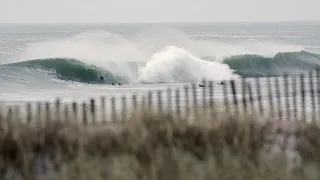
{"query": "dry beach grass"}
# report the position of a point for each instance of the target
(153, 146)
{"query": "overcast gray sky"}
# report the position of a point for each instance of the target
(83, 11)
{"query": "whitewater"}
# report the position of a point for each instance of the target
(45, 62)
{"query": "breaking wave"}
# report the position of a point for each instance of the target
(69, 70)
(159, 55)
(172, 64)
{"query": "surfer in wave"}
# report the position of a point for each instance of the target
(101, 78)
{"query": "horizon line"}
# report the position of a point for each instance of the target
(152, 22)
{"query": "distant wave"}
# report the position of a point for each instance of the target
(286, 62)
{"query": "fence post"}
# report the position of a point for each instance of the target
(286, 87)
(160, 110)
(75, 111)
(186, 95)
(1, 113)
(113, 108)
(251, 98)
(318, 87)
(178, 103)
(244, 99)
(150, 101)
(58, 109)
(124, 108)
(311, 86)
(234, 93)
(259, 95)
(10, 119)
(39, 112)
(93, 110)
(103, 109)
(302, 97)
(84, 113)
(195, 101)
(270, 96)
(204, 94)
(169, 103)
(294, 96)
(211, 104)
(134, 102)
(278, 98)
(143, 102)
(48, 114)
(225, 97)
(29, 113)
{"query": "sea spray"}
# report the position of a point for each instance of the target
(159, 55)
(174, 64)
(152, 39)
(108, 51)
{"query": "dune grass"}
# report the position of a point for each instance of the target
(151, 146)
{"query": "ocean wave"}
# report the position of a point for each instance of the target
(285, 62)
(159, 55)
(69, 70)
(173, 64)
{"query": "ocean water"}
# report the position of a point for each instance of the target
(45, 62)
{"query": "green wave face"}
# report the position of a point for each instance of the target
(289, 62)
(71, 70)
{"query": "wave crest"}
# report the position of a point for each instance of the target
(287, 62)
(174, 64)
